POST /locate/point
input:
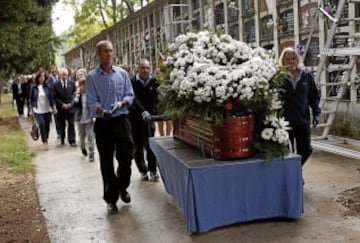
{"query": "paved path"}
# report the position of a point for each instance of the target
(70, 190)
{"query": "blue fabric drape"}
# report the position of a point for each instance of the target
(213, 193)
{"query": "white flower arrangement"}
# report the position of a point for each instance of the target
(215, 76)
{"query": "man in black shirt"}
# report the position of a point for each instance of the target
(144, 105)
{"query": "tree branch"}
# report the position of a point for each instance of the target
(102, 14)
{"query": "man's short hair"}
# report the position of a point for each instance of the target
(101, 44)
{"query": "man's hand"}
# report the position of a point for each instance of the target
(66, 106)
(103, 113)
(316, 120)
(116, 106)
(146, 116)
(106, 114)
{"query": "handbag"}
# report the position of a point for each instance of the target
(34, 130)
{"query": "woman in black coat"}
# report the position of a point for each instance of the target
(300, 94)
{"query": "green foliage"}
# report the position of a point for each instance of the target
(15, 154)
(268, 149)
(165, 71)
(6, 108)
(27, 40)
(93, 16)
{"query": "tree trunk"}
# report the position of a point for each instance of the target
(130, 6)
(114, 9)
(102, 14)
(121, 10)
(1, 89)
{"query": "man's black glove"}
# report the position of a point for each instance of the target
(316, 120)
(106, 114)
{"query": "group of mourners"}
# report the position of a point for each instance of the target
(114, 108)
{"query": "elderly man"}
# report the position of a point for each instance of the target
(146, 99)
(64, 94)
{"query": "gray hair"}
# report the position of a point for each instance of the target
(63, 71)
(291, 50)
(144, 60)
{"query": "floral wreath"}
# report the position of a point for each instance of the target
(213, 76)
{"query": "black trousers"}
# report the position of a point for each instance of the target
(114, 135)
(20, 102)
(302, 136)
(57, 126)
(141, 142)
(69, 117)
(28, 105)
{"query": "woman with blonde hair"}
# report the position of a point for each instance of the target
(82, 116)
(300, 94)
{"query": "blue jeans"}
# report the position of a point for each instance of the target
(43, 121)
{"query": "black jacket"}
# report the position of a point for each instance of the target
(146, 99)
(16, 91)
(298, 101)
(62, 95)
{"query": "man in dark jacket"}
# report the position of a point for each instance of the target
(53, 78)
(19, 90)
(64, 94)
(144, 105)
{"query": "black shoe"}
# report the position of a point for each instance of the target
(112, 209)
(84, 152)
(125, 196)
(62, 142)
(91, 157)
(154, 176)
(144, 176)
(73, 144)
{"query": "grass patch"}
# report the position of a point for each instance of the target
(6, 108)
(15, 154)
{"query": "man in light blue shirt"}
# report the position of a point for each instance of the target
(109, 93)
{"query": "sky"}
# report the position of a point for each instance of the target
(63, 17)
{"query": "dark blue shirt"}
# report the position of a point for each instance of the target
(299, 98)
